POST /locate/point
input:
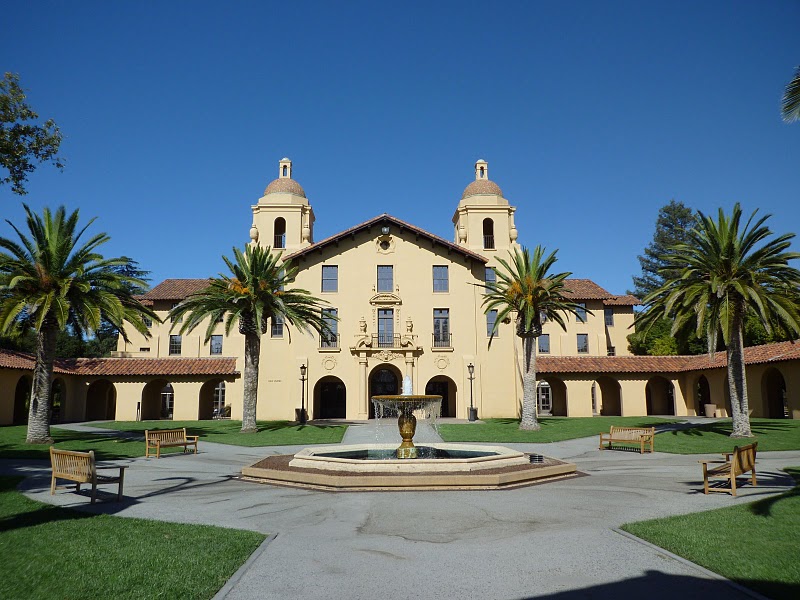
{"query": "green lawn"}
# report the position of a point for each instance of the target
(52, 552)
(554, 429)
(753, 544)
(107, 447)
(771, 435)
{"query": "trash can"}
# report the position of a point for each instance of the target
(711, 410)
(300, 415)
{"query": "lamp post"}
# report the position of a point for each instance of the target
(302, 418)
(473, 412)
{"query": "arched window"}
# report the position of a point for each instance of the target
(488, 234)
(280, 232)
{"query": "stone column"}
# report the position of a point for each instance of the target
(363, 388)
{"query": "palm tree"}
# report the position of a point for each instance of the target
(790, 108)
(254, 293)
(51, 280)
(722, 271)
(528, 289)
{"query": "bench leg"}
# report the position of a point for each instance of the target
(733, 485)
(753, 478)
(158, 449)
(121, 481)
(94, 491)
(705, 479)
(53, 485)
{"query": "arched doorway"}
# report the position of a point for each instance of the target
(610, 399)
(773, 392)
(212, 400)
(101, 401)
(330, 398)
(58, 397)
(22, 400)
(384, 379)
(558, 397)
(158, 398)
(445, 387)
(660, 396)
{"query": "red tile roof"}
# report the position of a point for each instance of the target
(585, 289)
(388, 219)
(626, 300)
(175, 289)
(125, 366)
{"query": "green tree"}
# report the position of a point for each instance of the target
(255, 292)
(790, 108)
(720, 272)
(672, 226)
(50, 281)
(23, 143)
(526, 289)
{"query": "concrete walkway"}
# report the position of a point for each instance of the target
(556, 540)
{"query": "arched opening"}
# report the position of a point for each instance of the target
(158, 400)
(558, 397)
(212, 400)
(488, 234)
(22, 400)
(101, 401)
(58, 397)
(384, 379)
(608, 396)
(285, 171)
(280, 233)
(702, 394)
(330, 398)
(443, 386)
(773, 393)
(660, 396)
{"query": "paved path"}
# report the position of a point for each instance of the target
(555, 540)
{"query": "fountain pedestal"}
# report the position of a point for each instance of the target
(407, 424)
(405, 405)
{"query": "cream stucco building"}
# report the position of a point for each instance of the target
(406, 303)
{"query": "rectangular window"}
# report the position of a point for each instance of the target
(441, 328)
(385, 328)
(148, 322)
(331, 339)
(174, 344)
(441, 279)
(544, 343)
(216, 344)
(277, 327)
(385, 278)
(144, 349)
(580, 312)
(611, 351)
(490, 276)
(220, 318)
(609, 315)
(330, 278)
(173, 319)
(583, 343)
(491, 319)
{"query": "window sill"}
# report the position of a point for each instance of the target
(442, 349)
(327, 350)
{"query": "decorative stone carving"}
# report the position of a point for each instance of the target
(386, 355)
(385, 298)
(362, 326)
(409, 326)
(329, 364)
(442, 363)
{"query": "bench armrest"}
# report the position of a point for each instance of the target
(727, 455)
(712, 462)
(101, 467)
(192, 438)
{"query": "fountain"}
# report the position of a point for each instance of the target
(429, 466)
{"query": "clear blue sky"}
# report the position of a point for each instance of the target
(592, 116)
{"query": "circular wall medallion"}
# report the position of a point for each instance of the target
(329, 364)
(442, 363)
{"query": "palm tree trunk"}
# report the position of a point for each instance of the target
(39, 415)
(737, 378)
(528, 421)
(252, 353)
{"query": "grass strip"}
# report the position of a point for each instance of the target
(752, 544)
(53, 552)
(554, 429)
(771, 434)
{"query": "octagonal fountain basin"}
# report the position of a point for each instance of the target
(438, 466)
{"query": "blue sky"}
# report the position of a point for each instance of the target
(592, 115)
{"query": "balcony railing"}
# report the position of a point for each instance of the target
(329, 341)
(280, 241)
(488, 242)
(442, 340)
(386, 340)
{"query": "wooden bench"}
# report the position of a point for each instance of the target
(629, 435)
(80, 467)
(164, 438)
(739, 462)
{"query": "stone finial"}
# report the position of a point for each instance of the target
(362, 326)
(254, 233)
(409, 326)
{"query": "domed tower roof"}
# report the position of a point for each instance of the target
(482, 185)
(284, 183)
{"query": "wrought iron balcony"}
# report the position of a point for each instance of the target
(442, 340)
(488, 242)
(386, 340)
(280, 241)
(329, 341)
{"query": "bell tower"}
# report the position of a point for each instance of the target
(283, 217)
(484, 220)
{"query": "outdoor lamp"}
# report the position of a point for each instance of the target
(473, 413)
(302, 418)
